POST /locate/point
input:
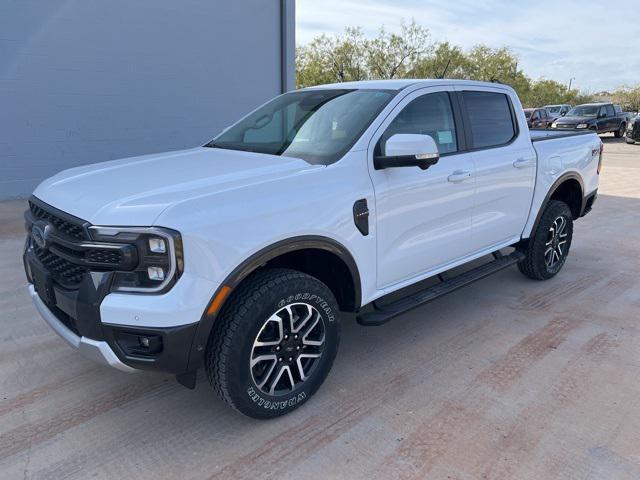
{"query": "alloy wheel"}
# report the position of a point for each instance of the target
(287, 349)
(555, 247)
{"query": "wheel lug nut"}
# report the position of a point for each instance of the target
(290, 359)
(298, 347)
(280, 359)
(286, 337)
(278, 348)
(295, 337)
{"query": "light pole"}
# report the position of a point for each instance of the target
(570, 81)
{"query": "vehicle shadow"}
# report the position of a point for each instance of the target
(610, 138)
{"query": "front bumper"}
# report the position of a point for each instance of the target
(112, 328)
(96, 350)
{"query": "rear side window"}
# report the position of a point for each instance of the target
(610, 111)
(491, 118)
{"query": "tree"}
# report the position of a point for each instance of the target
(337, 59)
(445, 61)
(394, 55)
(628, 97)
(411, 54)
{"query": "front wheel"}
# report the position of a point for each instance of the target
(547, 249)
(630, 141)
(620, 132)
(274, 343)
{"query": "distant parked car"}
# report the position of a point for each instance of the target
(557, 111)
(538, 118)
(633, 130)
(599, 117)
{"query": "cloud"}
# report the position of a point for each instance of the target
(587, 39)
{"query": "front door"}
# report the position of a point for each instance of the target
(423, 216)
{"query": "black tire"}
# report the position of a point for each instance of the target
(247, 318)
(536, 263)
(629, 141)
(620, 132)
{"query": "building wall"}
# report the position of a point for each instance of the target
(84, 81)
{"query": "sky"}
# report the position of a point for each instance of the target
(594, 42)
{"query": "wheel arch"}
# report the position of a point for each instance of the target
(319, 256)
(568, 188)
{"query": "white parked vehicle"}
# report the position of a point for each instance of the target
(239, 256)
(557, 111)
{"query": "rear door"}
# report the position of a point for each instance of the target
(613, 119)
(505, 164)
(423, 216)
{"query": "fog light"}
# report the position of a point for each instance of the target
(144, 342)
(155, 273)
(157, 245)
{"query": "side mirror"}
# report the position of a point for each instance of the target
(408, 150)
(562, 114)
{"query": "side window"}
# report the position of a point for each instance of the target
(537, 114)
(492, 123)
(610, 111)
(429, 114)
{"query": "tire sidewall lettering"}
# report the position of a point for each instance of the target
(312, 299)
(262, 402)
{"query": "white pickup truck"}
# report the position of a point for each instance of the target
(239, 256)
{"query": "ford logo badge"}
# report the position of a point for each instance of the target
(40, 234)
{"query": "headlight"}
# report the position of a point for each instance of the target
(160, 260)
(582, 125)
(554, 125)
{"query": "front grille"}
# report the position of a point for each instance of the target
(66, 227)
(108, 257)
(63, 271)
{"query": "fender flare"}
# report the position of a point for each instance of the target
(559, 181)
(249, 265)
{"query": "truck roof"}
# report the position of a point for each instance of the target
(403, 83)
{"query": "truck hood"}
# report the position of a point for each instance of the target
(574, 120)
(135, 191)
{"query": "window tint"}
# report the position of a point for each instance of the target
(429, 114)
(610, 111)
(490, 118)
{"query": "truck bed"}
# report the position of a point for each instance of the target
(538, 135)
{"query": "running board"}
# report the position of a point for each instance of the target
(382, 314)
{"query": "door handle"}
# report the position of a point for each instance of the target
(522, 162)
(459, 176)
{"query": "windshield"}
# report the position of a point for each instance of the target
(584, 111)
(528, 113)
(553, 109)
(318, 126)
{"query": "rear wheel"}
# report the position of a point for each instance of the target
(620, 132)
(547, 249)
(629, 140)
(274, 343)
